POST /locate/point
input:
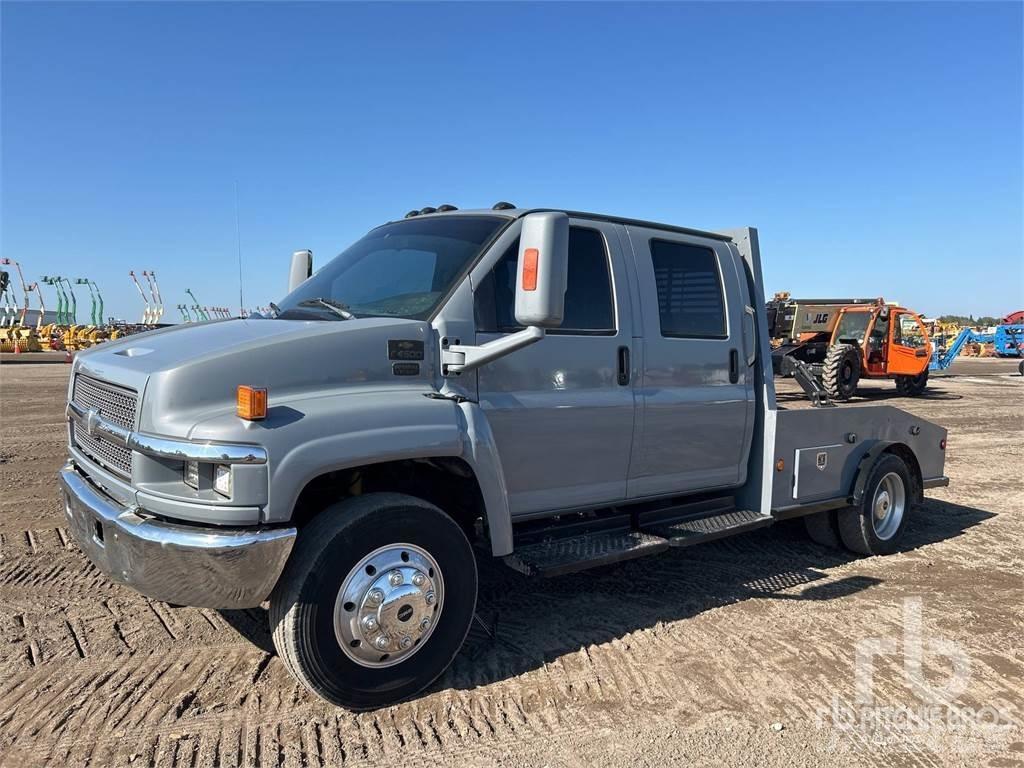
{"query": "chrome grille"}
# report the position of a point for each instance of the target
(115, 458)
(114, 403)
(117, 405)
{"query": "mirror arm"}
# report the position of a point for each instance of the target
(459, 358)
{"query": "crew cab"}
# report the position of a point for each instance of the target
(554, 388)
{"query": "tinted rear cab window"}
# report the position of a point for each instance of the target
(690, 299)
(589, 307)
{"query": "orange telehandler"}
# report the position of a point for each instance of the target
(829, 345)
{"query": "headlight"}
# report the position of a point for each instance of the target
(222, 479)
(191, 474)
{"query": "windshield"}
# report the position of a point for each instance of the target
(403, 269)
(852, 325)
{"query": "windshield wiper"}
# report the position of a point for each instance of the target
(341, 310)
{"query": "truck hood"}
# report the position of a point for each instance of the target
(189, 371)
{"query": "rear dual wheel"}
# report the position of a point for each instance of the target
(875, 526)
(375, 601)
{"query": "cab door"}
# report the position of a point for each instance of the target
(562, 410)
(910, 348)
(696, 395)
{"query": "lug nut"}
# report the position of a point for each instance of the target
(395, 578)
(419, 579)
(424, 625)
(376, 597)
(381, 643)
(430, 598)
(370, 623)
(405, 642)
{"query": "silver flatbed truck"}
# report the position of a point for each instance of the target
(558, 389)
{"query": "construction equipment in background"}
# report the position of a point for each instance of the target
(73, 313)
(9, 300)
(1006, 339)
(15, 335)
(52, 281)
(24, 287)
(185, 316)
(200, 312)
(154, 290)
(41, 320)
(829, 345)
(96, 311)
(147, 312)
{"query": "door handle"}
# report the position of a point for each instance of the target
(623, 366)
(734, 366)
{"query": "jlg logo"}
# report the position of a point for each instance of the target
(818, 319)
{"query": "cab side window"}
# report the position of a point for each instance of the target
(589, 307)
(690, 299)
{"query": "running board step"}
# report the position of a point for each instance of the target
(558, 556)
(697, 530)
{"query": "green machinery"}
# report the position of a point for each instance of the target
(66, 309)
(96, 312)
(200, 311)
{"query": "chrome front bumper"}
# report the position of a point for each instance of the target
(206, 567)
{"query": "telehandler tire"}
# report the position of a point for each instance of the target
(841, 371)
(823, 528)
(912, 386)
(375, 601)
(874, 526)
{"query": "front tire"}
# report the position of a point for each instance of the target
(841, 371)
(375, 601)
(912, 386)
(875, 526)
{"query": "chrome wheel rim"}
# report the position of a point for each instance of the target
(888, 506)
(388, 605)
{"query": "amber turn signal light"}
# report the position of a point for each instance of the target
(252, 403)
(530, 258)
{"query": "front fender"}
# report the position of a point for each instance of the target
(308, 437)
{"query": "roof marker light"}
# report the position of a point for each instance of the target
(252, 403)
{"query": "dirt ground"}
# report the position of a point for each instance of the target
(741, 652)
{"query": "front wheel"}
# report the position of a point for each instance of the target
(912, 386)
(840, 372)
(375, 601)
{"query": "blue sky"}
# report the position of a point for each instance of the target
(878, 147)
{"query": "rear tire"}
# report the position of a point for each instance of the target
(912, 386)
(375, 601)
(874, 527)
(841, 371)
(823, 528)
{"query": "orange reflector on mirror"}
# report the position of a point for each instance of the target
(252, 403)
(530, 258)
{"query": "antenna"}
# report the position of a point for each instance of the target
(238, 242)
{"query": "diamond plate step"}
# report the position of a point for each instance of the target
(685, 533)
(554, 557)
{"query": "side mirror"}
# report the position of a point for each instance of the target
(301, 269)
(543, 264)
